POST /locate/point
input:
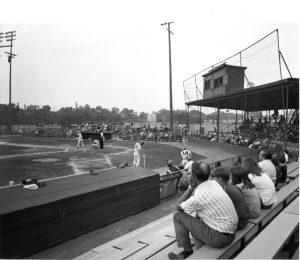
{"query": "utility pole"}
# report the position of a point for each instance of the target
(170, 73)
(9, 37)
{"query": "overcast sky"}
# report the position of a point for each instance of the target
(115, 53)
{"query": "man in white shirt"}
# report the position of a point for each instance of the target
(136, 154)
(266, 164)
(216, 219)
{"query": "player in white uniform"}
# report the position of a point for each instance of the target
(186, 173)
(80, 141)
(136, 154)
(184, 154)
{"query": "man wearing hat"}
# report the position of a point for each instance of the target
(136, 154)
(101, 137)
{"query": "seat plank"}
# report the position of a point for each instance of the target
(293, 208)
(136, 234)
(269, 242)
(284, 196)
(134, 241)
(87, 255)
(292, 166)
(117, 254)
(207, 252)
(153, 248)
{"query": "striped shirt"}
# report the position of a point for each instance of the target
(213, 206)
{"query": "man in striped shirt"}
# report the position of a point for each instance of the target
(216, 219)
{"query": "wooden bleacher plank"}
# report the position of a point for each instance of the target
(136, 240)
(86, 256)
(292, 166)
(269, 242)
(284, 196)
(293, 208)
(163, 254)
(116, 253)
(207, 252)
(135, 234)
(154, 247)
(292, 175)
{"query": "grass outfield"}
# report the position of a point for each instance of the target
(45, 158)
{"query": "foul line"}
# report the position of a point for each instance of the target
(61, 177)
(28, 154)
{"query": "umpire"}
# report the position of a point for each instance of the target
(101, 138)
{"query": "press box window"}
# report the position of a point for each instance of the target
(218, 82)
(207, 84)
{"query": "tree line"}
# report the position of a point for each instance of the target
(34, 114)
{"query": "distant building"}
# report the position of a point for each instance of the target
(151, 118)
(222, 80)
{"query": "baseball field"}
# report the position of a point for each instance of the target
(45, 158)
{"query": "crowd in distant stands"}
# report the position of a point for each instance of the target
(143, 131)
(257, 134)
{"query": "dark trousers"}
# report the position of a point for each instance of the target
(202, 233)
(101, 143)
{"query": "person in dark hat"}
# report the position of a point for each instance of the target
(101, 139)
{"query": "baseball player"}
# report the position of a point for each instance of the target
(184, 154)
(80, 141)
(136, 154)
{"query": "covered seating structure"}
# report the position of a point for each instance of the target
(278, 95)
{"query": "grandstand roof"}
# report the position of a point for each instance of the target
(221, 67)
(260, 98)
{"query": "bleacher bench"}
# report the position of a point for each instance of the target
(271, 240)
(157, 239)
(243, 237)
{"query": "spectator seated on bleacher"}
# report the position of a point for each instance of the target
(240, 179)
(222, 176)
(216, 219)
(237, 161)
(262, 183)
(266, 164)
(281, 169)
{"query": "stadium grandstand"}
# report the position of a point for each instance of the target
(94, 205)
(257, 84)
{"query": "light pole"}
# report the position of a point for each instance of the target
(9, 37)
(170, 73)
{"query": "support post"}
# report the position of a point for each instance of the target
(236, 121)
(200, 120)
(188, 118)
(286, 117)
(218, 123)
